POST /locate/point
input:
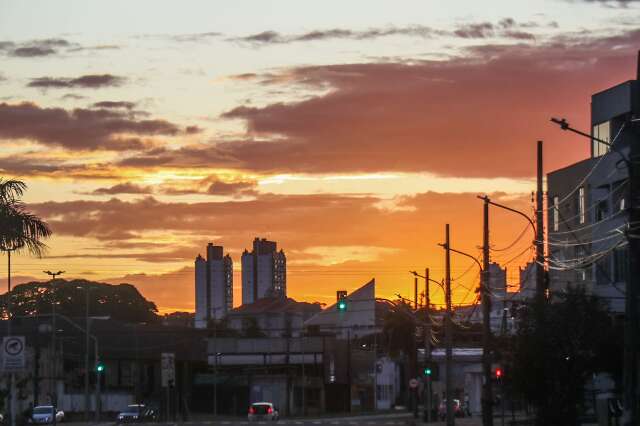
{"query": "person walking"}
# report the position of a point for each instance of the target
(467, 408)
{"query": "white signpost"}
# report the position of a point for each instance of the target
(168, 364)
(13, 357)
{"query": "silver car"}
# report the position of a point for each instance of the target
(263, 411)
(43, 414)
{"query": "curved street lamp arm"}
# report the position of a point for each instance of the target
(493, 203)
(430, 279)
(464, 254)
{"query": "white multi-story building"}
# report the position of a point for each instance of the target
(214, 285)
(264, 272)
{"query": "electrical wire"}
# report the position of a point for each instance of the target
(524, 231)
(588, 175)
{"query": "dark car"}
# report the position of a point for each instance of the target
(137, 413)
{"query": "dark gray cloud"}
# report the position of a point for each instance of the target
(506, 28)
(195, 37)
(72, 96)
(30, 52)
(273, 37)
(114, 104)
(90, 81)
(35, 48)
(610, 3)
(95, 48)
(479, 30)
(123, 188)
(80, 128)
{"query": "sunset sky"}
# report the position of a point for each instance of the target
(349, 132)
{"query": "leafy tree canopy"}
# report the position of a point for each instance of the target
(553, 357)
(120, 302)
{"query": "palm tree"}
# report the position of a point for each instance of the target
(20, 230)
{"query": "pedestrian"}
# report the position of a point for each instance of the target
(27, 414)
(467, 408)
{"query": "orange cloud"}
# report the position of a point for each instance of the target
(310, 228)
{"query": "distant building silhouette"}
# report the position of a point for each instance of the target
(264, 272)
(214, 285)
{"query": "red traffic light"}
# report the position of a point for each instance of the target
(498, 373)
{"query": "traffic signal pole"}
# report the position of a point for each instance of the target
(487, 391)
(427, 347)
(448, 332)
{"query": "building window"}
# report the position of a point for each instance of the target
(620, 264)
(618, 192)
(601, 131)
(603, 270)
(581, 252)
(602, 210)
(581, 205)
(556, 214)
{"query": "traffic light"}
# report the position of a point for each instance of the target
(342, 305)
(498, 373)
(431, 371)
(100, 367)
(341, 296)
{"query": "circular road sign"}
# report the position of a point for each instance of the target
(413, 383)
(13, 346)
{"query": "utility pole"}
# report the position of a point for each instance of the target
(540, 286)
(630, 415)
(86, 356)
(427, 346)
(54, 358)
(415, 292)
(448, 332)
(487, 391)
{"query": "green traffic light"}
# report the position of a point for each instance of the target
(100, 368)
(342, 306)
(427, 371)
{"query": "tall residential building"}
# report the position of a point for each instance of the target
(264, 272)
(214, 285)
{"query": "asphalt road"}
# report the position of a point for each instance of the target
(383, 419)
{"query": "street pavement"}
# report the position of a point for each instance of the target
(405, 419)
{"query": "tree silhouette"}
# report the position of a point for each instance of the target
(20, 230)
(120, 302)
(552, 360)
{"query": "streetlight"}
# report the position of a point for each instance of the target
(54, 358)
(87, 289)
(427, 338)
(486, 353)
(215, 363)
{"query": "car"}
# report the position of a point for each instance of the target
(457, 409)
(263, 411)
(137, 413)
(43, 414)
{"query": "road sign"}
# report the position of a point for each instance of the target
(13, 358)
(413, 383)
(168, 366)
